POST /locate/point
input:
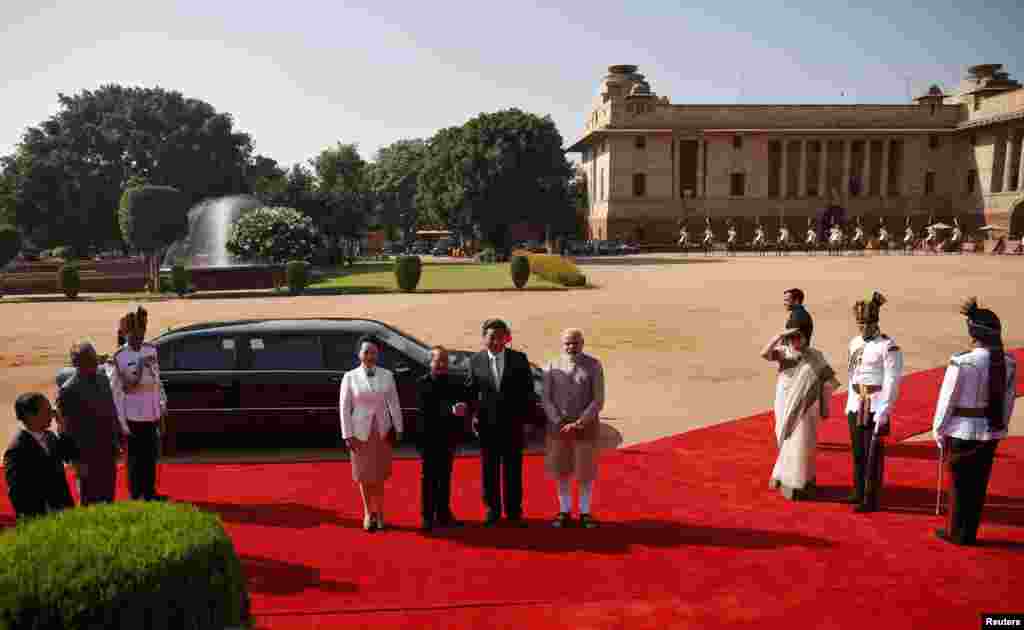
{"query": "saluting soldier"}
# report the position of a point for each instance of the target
(972, 415)
(876, 369)
(142, 404)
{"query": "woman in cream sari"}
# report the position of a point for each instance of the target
(802, 394)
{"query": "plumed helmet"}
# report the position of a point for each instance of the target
(982, 324)
(866, 311)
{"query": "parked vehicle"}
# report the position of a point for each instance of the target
(626, 248)
(276, 377)
(606, 248)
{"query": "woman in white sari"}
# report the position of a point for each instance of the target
(804, 388)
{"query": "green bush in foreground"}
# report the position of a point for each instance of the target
(408, 270)
(68, 280)
(520, 271)
(297, 276)
(124, 565)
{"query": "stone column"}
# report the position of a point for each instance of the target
(1008, 161)
(1020, 166)
(844, 192)
(784, 180)
(883, 186)
(865, 180)
(802, 191)
(700, 166)
(823, 170)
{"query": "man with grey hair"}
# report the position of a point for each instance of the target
(86, 402)
(573, 400)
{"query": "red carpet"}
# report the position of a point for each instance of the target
(692, 537)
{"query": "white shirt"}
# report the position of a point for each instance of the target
(966, 385)
(875, 362)
(147, 402)
(497, 366)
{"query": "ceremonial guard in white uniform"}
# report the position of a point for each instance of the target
(908, 238)
(972, 415)
(731, 242)
(141, 403)
(684, 238)
(876, 368)
(783, 244)
(883, 237)
(812, 237)
(709, 237)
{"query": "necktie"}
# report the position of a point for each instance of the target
(496, 360)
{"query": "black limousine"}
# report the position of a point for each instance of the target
(277, 378)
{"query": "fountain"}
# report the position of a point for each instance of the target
(204, 250)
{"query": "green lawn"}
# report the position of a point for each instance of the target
(380, 276)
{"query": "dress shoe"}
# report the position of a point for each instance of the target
(379, 520)
(491, 521)
(854, 499)
(587, 521)
(450, 522)
(562, 520)
(426, 525)
(863, 509)
(369, 524)
(516, 521)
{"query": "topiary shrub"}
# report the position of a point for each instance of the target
(408, 270)
(297, 276)
(571, 279)
(520, 271)
(68, 280)
(122, 565)
(179, 279)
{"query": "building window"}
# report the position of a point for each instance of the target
(973, 139)
(737, 142)
(737, 184)
(639, 184)
(641, 142)
(933, 141)
(929, 183)
(972, 180)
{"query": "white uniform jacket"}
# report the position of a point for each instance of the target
(145, 402)
(965, 386)
(876, 362)
(365, 401)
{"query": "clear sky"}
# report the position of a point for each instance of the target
(300, 76)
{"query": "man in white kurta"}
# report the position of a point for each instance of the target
(573, 400)
(876, 369)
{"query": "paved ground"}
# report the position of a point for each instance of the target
(679, 336)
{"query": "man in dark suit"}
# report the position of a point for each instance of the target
(34, 460)
(442, 404)
(500, 384)
(798, 317)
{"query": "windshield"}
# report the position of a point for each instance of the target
(406, 344)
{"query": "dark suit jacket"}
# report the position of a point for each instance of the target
(440, 427)
(35, 479)
(501, 410)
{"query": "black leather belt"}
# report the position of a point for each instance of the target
(871, 389)
(970, 412)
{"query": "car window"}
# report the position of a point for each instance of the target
(165, 356)
(340, 351)
(211, 352)
(285, 352)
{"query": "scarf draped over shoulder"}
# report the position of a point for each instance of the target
(806, 388)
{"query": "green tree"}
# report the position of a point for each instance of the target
(151, 218)
(275, 235)
(343, 197)
(395, 182)
(495, 171)
(10, 243)
(70, 169)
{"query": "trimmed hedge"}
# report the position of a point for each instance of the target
(555, 269)
(408, 270)
(297, 276)
(520, 268)
(69, 280)
(179, 279)
(122, 565)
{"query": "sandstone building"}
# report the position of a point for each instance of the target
(650, 163)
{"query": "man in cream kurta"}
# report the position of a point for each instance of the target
(573, 400)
